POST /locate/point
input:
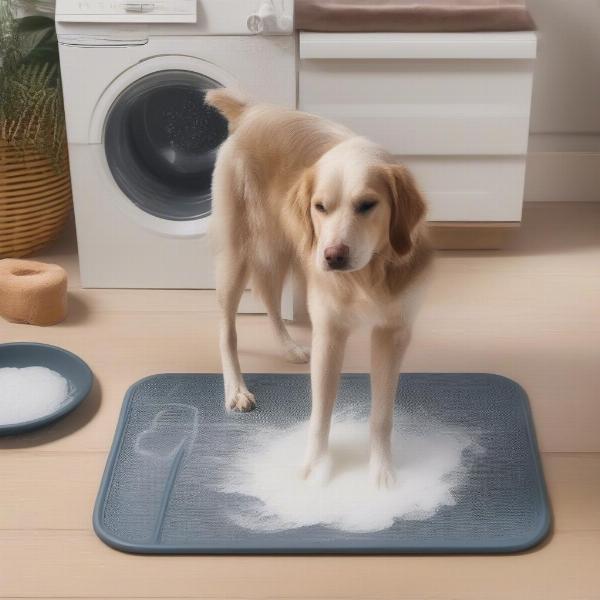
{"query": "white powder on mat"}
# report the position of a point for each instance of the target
(429, 461)
(30, 393)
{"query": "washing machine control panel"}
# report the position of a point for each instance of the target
(126, 11)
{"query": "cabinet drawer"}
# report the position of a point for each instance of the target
(423, 94)
(463, 188)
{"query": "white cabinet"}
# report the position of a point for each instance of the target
(454, 107)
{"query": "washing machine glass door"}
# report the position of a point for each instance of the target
(161, 141)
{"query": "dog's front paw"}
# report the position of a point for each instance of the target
(240, 400)
(295, 353)
(317, 471)
(382, 473)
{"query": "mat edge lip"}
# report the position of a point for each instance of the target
(162, 549)
(166, 550)
(541, 532)
(26, 426)
(529, 543)
(524, 545)
(547, 520)
(109, 468)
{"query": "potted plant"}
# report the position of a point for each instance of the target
(35, 186)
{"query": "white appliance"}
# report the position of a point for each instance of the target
(142, 142)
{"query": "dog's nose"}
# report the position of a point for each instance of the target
(337, 256)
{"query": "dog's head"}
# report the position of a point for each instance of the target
(354, 204)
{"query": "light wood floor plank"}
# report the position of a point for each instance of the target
(78, 564)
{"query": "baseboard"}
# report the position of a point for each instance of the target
(472, 236)
(563, 168)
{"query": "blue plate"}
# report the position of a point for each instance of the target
(70, 366)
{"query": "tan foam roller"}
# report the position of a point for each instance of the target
(32, 292)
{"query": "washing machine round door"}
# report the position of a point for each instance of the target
(161, 141)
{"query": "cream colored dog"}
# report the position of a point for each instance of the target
(293, 190)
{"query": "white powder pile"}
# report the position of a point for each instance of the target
(30, 393)
(430, 467)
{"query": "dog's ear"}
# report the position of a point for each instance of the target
(298, 203)
(407, 207)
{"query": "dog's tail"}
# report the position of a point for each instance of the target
(229, 102)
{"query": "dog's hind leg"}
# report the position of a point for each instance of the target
(269, 285)
(232, 276)
(231, 244)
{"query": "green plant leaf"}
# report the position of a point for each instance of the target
(34, 23)
(44, 54)
(35, 32)
(31, 108)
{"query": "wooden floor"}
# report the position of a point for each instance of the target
(531, 312)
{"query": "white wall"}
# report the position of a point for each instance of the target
(564, 149)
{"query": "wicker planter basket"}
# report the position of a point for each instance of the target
(35, 200)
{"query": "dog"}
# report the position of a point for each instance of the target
(294, 191)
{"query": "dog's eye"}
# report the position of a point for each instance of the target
(319, 206)
(365, 206)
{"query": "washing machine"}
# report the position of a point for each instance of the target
(142, 143)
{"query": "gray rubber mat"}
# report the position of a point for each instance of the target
(175, 482)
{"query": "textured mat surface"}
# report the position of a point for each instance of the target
(162, 490)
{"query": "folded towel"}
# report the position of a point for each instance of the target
(403, 16)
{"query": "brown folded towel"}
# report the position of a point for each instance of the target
(400, 16)
(32, 292)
